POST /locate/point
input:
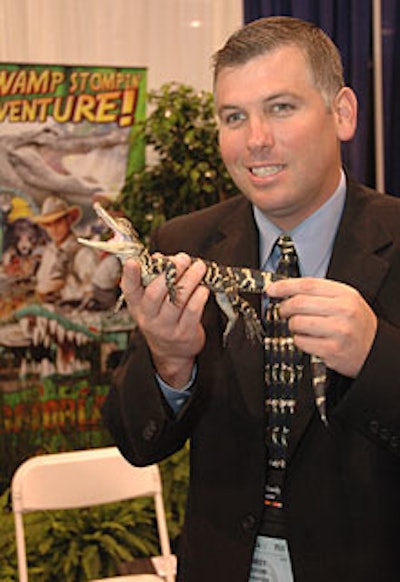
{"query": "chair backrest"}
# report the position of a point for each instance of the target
(83, 479)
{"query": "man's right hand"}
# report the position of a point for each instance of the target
(173, 331)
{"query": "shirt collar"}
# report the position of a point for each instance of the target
(313, 238)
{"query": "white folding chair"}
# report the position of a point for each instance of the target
(83, 479)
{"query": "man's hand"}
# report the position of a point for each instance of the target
(328, 319)
(173, 331)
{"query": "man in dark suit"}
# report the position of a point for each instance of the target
(334, 514)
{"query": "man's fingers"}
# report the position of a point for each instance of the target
(188, 282)
(306, 286)
(155, 297)
(130, 284)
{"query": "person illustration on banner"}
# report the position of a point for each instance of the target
(23, 246)
(66, 270)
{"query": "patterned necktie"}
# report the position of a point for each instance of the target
(283, 364)
(289, 267)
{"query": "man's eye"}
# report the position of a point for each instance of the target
(282, 108)
(234, 117)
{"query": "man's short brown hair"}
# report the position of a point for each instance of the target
(268, 34)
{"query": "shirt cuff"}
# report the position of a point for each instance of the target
(177, 398)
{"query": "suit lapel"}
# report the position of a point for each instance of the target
(357, 258)
(236, 244)
(356, 262)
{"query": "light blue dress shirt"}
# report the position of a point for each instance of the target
(313, 240)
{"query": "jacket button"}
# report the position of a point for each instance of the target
(374, 426)
(150, 430)
(249, 522)
(395, 442)
(384, 433)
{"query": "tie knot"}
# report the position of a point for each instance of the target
(285, 244)
(288, 264)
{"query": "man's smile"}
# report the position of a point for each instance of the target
(263, 171)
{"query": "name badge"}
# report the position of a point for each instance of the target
(271, 561)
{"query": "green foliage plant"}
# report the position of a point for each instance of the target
(8, 556)
(188, 172)
(77, 545)
(89, 543)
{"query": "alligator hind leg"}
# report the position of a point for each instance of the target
(227, 307)
(231, 303)
(253, 326)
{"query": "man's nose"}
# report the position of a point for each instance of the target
(260, 133)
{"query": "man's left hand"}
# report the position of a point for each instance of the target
(328, 319)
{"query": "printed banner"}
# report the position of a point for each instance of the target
(66, 140)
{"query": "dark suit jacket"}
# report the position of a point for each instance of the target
(342, 486)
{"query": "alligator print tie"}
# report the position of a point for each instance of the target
(283, 365)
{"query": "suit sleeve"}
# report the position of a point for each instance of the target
(372, 403)
(137, 414)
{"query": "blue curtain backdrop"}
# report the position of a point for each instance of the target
(391, 87)
(349, 24)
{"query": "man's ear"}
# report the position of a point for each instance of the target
(345, 111)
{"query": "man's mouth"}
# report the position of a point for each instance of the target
(263, 171)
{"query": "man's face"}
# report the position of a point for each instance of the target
(278, 139)
(59, 229)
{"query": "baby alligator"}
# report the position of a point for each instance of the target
(225, 282)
